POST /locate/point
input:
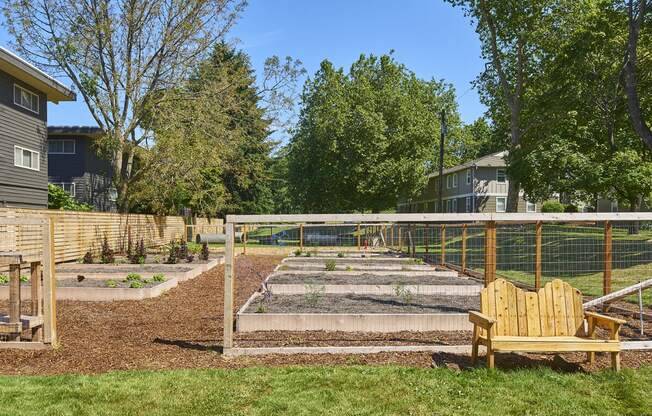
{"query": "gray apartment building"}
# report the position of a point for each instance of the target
(477, 186)
(24, 93)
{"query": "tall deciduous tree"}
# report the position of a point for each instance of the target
(119, 55)
(366, 138)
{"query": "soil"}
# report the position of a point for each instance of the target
(367, 279)
(356, 266)
(126, 268)
(183, 329)
(360, 261)
(352, 303)
(120, 283)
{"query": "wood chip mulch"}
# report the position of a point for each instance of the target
(183, 329)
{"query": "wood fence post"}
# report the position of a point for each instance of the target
(443, 244)
(229, 269)
(14, 298)
(490, 252)
(606, 284)
(49, 285)
(537, 255)
(463, 248)
(36, 296)
(244, 240)
(359, 236)
(400, 241)
(391, 236)
(301, 237)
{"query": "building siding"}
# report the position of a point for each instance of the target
(21, 187)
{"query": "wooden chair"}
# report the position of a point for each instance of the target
(550, 320)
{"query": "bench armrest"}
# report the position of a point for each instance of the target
(481, 320)
(604, 321)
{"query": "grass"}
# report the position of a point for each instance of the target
(354, 390)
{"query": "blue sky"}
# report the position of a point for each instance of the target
(429, 36)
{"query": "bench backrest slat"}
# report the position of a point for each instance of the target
(554, 310)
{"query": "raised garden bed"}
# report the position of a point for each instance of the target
(308, 266)
(366, 283)
(368, 313)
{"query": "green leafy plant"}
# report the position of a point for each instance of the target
(314, 293)
(159, 277)
(111, 283)
(349, 268)
(340, 254)
(404, 293)
(173, 253)
(297, 252)
(4, 279)
(308, 254)
(24, 279)
(107, 256)
(194, 248)
(330, 265)
(136, 284)
(205, 253)
(261, 308)
(418, 260)
(552, 206)
(60, 199)
(133, 277)
(139, 256)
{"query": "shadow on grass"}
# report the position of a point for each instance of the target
(508, 362)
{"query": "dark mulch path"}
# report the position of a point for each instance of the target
(183, 329)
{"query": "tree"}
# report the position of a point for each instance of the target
(636, 19)
(60, 199)
(367, 138)
(119, 55)
(509, 34)
(480, 139)
(212, 137)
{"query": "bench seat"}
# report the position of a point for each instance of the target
(551, 344)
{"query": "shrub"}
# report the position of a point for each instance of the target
(60, 199)
(107, 255)
(194, 248)
(159, 277)
(552, 206)
(136, 284)
(204, 252)
(571, 208)
(4, 279)
(330, 265)
(88, 258)
(111, 283)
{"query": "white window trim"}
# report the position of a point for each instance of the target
(505, 175)
(448, 181)
(505, 204)
(74, 147)
(467, 204)
(454, 180)
(468, 176)
(38, 99)
(34, 152)
(455, 205)
(527, 206)
(74, 187)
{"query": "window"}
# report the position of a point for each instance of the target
(26, 158)
(454, 180)
(61, 146)
(455, 205)
(468, 176)
(449, 205)
(448, 182)
(530, 206)
(501, 176)
(468, 207)
(25, 98)
(501, 203)
(69, 187)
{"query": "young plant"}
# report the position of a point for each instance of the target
(404, 293)
(261, 308)
(340, 254)
(308, 254)
(183, 250)
(139, 256)
(314, 293)
(88, 258)
(133, 277)
(136, 284)
(24, 279)
(297, 252)
(130, 248)
(4, 279)
(111, 283)
(159, 277)
(173, 255)
(107, 256)
(204, 252)
(349, 268)
(418, 260)
(330, 265)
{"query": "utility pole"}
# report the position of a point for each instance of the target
(441, 161)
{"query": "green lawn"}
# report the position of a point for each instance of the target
(331, 391)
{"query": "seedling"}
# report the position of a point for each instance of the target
(88, 258)
(297, 252)
(261, 308)
(404, 293)
(24, 278)
(107, 255)
(330, 265)
(133, 277)
(418, 260)
(314, 293)
(136, 284)
(4, 279)
(308, 254)
(159, 277)
(111, 283)
(204, 252)
(349, 268)
(340, 254)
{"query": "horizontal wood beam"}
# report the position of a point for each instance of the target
(433, 217)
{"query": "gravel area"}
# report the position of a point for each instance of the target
(367, 279)
(102, 283)
(351, 303)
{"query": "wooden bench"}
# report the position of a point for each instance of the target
(550, 320)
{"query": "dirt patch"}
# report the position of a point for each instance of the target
(102, 283)
(183, 329)
(317, 302)
(367, 279)
(126, 268)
